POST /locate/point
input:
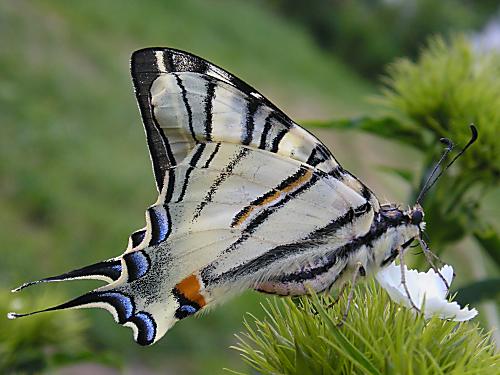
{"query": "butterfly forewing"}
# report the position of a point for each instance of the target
(185, 100)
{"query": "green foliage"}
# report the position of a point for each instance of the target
(449, 87)
(488, 237)
(382, 30)
(379, 337)
(478, 291)
(383, 126)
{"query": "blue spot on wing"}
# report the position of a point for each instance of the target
(146, 327)
(125, 309)
(160, 224)
(138, 264)
(122, 303)
(186, 306)
(188, 309)
(115, 271)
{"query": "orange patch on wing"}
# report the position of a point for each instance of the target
(270, 199)
(190, 288)
(295, 184)
(245, 213)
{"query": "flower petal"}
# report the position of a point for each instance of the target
(435, 286)
(448, 310)
(428, 286)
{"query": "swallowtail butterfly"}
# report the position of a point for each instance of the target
(247, 199)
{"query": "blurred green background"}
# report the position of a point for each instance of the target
(75, 173)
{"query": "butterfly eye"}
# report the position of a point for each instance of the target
(417, 217)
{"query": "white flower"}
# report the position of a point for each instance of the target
(422, 286)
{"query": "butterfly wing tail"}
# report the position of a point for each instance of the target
(108, 270)
(141, 296)
(120, 305)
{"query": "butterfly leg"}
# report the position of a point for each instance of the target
(339, 296)
(337, 299)
(358, 271)
(428, 256)
(403, 278)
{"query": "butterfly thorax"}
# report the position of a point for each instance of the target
(391, 230)
(394, 229)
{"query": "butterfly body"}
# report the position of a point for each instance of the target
(247, 199)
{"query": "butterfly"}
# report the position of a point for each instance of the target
(248, 199)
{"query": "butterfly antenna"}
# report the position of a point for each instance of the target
(449, 146)
(427, 185)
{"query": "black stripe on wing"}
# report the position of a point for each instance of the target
(137, 237)
(265, 132)
(314, 239)
(192, 164)
(170, 185)
(144, 69)
(212, 156)
(188, 107)
(248, 128)
(181, 61)
(312, 273)
(226, 172)
(285, 284)
(109, 269)
(209, 100)
(121, 303)
(319, 154)
(284, 187)
(263, 216)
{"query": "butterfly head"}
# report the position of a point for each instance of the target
(401, 228)
(393, 216)
(416, 216)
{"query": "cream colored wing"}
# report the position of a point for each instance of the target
(186, 100)
(247, 199)
(231, 217)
